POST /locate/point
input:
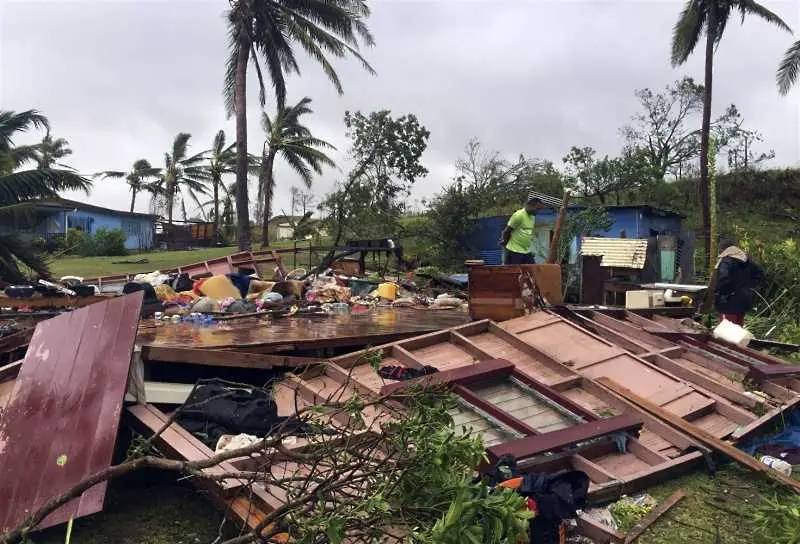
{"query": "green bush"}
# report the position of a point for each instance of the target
(109, 242)
(104, 242)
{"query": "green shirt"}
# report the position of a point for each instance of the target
(521, 224)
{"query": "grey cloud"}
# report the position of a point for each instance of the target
(120, 79)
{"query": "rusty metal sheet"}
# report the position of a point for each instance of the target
(353, 329)
(61, 423)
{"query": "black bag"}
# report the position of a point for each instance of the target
(182, 283)
(216, 408)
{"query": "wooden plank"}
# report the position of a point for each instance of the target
(653, 515)
(213, 357)
(465, 375)
(65, 409)
(598, 532)
(51, 302)
(595, 472)
(700, 435)
(530, 446)
(10, 371)
(500, 415)
(753, 426)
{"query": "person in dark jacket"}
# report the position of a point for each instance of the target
(737, 276)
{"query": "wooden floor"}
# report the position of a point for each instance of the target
(374, 327)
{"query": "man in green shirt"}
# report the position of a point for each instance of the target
(517, 237)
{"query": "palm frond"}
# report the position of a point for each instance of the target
(110, 174)
(180, 146)
(12, 122)
(229, 87)
(300, 166)
(16, 253)
(750, 7)
(687, 31)
(41, 183)
(789, 68)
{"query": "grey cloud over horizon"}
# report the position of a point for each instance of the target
(119, 79)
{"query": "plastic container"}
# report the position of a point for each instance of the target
(732, 333)
(388, 290)
(777, 464)
(360, 287)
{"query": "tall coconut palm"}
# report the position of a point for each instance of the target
(182, 176)
(221, 161)
(789, 68)
(287, 136)
(19, 186)
(141, 178)
(51, 150)
(710, 17)
(269, 30)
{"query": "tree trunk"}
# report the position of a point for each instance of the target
(170, 200)
(133, 199)
(705, 133)
(216, 211)
(240, 104)
(268, 182)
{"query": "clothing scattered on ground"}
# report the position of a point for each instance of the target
(521, 224)
(391, 372)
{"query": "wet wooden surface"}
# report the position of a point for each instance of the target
(297, 333)
(61, 422)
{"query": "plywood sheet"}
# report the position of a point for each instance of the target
(61, 424)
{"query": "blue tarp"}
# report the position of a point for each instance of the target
(789, 437)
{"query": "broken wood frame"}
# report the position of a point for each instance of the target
(223, 358)
(665, 452)
(495, 292)
(716, 374)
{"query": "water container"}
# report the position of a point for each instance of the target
(732, 333)
(777, 464)
(387, 291)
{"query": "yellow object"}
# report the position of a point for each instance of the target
(165, 293)
(220, 287)
(388, 290)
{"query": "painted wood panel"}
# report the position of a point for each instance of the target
(66, 407)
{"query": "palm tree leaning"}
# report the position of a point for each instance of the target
(137, 178)
(710, 17)
(181, 173)
(20, 186)
(293, 140)
(221, 161)
(269, 30)
(50, 150)
(789, 68)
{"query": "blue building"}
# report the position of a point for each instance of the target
(54, 217)
(628, 222)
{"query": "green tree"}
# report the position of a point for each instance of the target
(293, 141)
(182, 175)
(664, 126)
(20, 186)
(789, 68)
(221, 160)
(710, 17)
(268, 30)
(50, 150)
(387, 153)
(137, 178)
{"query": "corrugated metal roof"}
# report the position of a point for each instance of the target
(548, 200)
(619, 252)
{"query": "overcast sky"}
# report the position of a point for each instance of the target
(119, 79)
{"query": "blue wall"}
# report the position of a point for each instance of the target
(139, 230)
(633, 222)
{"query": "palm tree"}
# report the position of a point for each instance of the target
(20, 186)
(270, 29)
(221, 161)
(293, 140)
(181, 174)
(50, 150)
(710, 17)
(136, 178)
(789, 68)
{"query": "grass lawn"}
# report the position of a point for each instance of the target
(158, 260)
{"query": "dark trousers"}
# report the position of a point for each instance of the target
(512, 258)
